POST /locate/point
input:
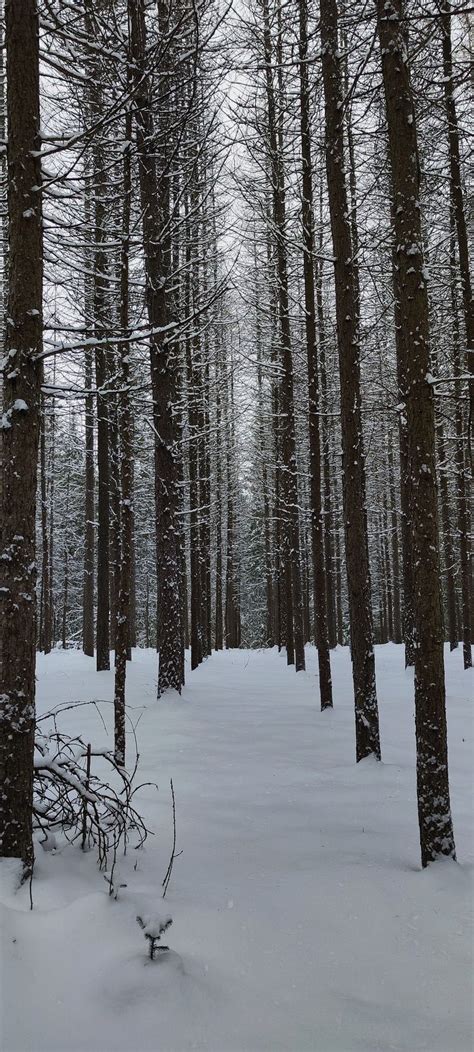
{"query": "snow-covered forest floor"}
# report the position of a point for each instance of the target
(302, 919)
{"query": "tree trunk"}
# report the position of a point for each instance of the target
(279, 612)
(204, 461)
(462, 476)
(448, 545)
(3, 193)
(162, 361)
(268, 632)
(405, 487)
(317, 532)
(103, 503)
(192, 363)
(232, 598)
(291, 540)
(124, 577)
(52, 472)
(89, 504)
(397, 619)
(114, 494)
(22, 377)
(405, 478)
(205, 504)
(339, 609)
(347, 314)
(99, 306)
(45, 635)
(218, 625)
(89, 472)
(457, 200)
(387, 568)
(434, 811)
(65, 574)
(326, 448)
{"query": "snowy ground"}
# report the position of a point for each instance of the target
(302, 920)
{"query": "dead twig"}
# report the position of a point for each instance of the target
(174, 855)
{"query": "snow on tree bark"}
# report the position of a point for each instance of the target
(317, 537)
(22, 377)
(434, 811)
(162, 359)
(347, 315)
(290, 524)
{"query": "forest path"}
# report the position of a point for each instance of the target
(302, 922)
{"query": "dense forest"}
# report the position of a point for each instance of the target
(236, 389)
(237, 333)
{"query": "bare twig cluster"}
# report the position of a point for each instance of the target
(84, 805)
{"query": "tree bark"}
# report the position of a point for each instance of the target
(397, 619)
(232, 598)
(192, 370)
(405, 486)
(99, 307)
(347, 314)
(89, 513)
(22, 377)
(3, 194)
(317, 533)
(457, 201)
(162, 361)
(124, 581)
(65, 609)
(89, 470)
(448, 545)
(405, 478)
(462, 475)
(291, 539)
(114, 368)
(46, 628)
(434, 811)
(326, 451)
(268, 630)
(218, 623)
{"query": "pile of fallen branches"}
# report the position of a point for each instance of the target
(70, 797)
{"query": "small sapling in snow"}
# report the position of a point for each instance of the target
(154, 926)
